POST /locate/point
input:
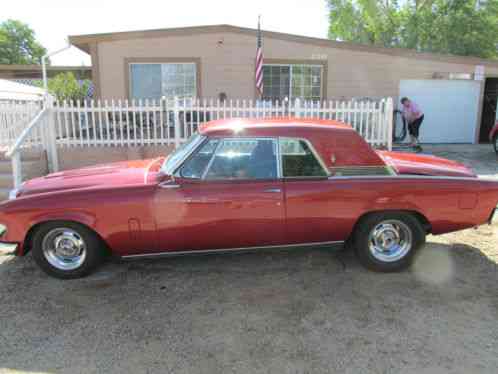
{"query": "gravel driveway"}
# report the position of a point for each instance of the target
(301, 311)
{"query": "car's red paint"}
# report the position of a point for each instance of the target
(105, 175)
(411, 163)
(136, 209)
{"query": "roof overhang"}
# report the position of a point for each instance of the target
(84, 42)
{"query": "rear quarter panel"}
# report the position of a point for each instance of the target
(332, 207)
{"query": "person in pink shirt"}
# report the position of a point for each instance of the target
(414, 117)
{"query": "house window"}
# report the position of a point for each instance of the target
(153, 81)
(292, 81)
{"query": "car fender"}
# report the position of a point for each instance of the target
(85, 218)
(384, 203)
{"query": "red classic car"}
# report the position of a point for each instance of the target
(247, 184)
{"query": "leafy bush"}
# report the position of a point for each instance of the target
(65, 86)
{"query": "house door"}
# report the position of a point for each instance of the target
(489, 112)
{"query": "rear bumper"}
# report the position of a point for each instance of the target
(10, 248)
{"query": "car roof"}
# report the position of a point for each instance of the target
(268, 126)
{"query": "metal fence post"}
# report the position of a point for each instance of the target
(51, 138)
(297, 108)
(16, 169)
(176, 115)
(389, 122)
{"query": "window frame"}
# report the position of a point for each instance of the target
(194, 152)
(152, 62)
(291, 65)
(278, 154)
(313, 152)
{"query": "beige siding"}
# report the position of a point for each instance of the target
(227, 64)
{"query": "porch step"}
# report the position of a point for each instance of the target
(4, 193)
(5, 166)
(27, 155)
(6, 180)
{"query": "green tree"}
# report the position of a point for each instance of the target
(461, 27)
(65, 86)
(18, 44)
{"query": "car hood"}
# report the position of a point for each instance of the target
(410, 163)
(104, 175)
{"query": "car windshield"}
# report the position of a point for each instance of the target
(179, 154)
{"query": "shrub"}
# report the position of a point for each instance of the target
(65, 86)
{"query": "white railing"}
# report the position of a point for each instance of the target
(156, 122)
(14, 117)
(39, 131)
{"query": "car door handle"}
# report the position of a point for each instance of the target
(169, 185)
(273, 190)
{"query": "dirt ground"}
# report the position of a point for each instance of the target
(300, 311)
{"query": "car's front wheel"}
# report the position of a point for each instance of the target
(66, 249)
(495, 143)
(387, 241)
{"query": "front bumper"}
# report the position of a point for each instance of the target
(9, 248)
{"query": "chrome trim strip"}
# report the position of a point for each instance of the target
(280, 170)
(179, 163)
(211, 160)
(400, 176)
(341, 170)
(229, 250)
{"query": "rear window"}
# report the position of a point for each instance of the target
(298, 160)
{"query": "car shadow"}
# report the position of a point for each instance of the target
(307, 310)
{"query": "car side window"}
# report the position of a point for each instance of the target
(244, 159)
(298, 160)
(194, 167)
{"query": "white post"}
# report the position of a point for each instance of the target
(389, 122)
(17, 169)
(297, 108)
(176, 112)
(53, 160)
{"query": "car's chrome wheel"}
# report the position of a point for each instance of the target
(390, 241)
(64, 249)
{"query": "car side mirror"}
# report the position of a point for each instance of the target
(168, 181)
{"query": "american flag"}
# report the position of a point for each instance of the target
(259, 62)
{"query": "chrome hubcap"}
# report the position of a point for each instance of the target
(390, 241)
(64, 249)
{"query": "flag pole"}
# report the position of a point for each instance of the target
(259, 62)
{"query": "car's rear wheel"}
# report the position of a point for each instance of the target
(495, 143)
(66, 249)
(387, 241)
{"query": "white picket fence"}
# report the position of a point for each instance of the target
(156, 122)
